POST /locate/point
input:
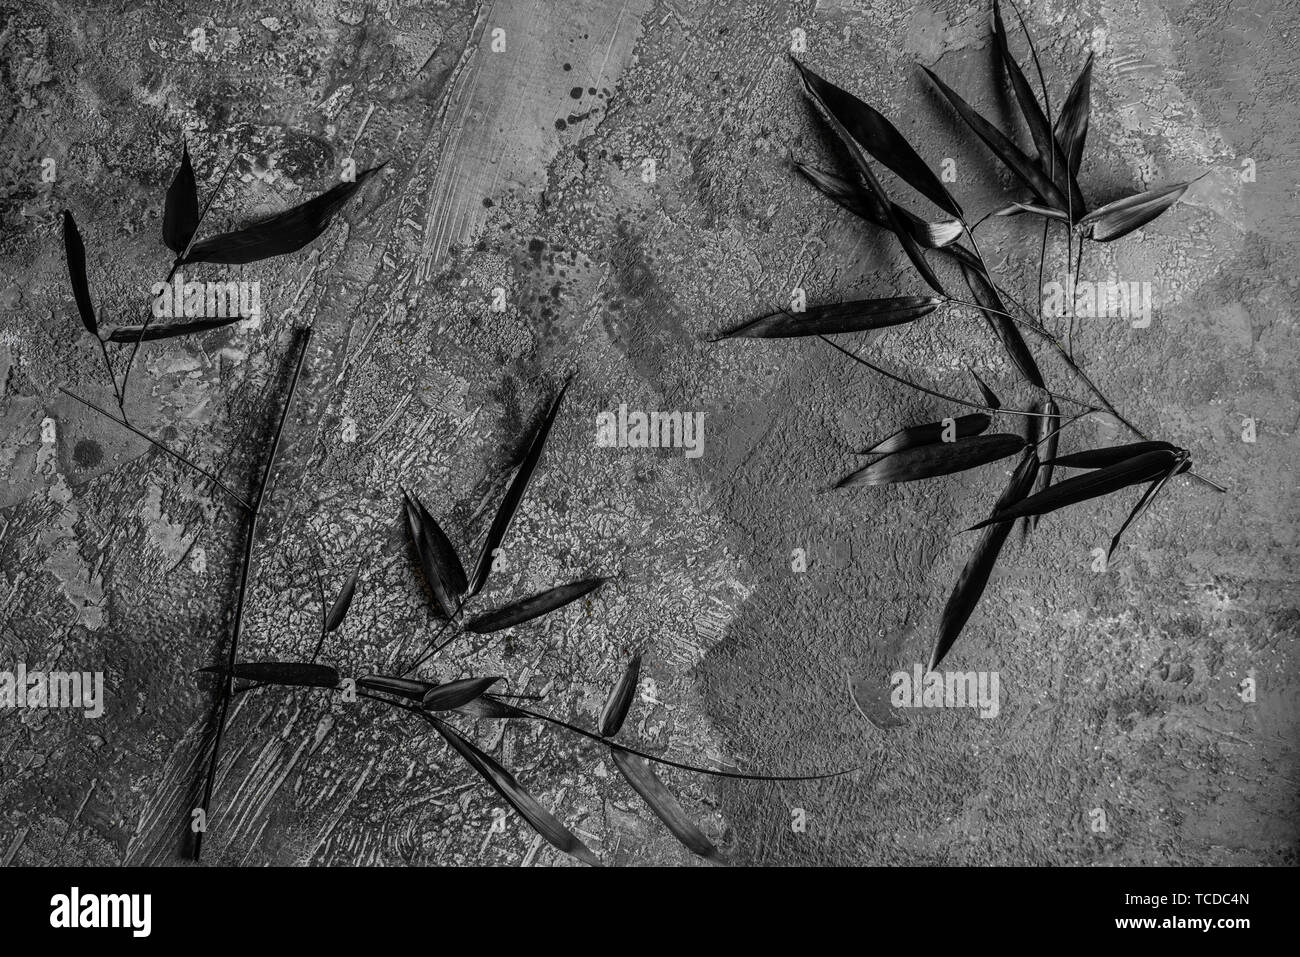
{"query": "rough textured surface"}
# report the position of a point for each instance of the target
(523, 169)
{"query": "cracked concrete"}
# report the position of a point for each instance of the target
(519, 175)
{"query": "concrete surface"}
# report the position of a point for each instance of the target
(523, 169)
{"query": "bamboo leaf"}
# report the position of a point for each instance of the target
(444, 555)
(428, 554)
(874, 193)
(1110, 222)
(339, 610)
(931, 461)
(880, 139)
(842, 317)
(851, 197)
(619, 701)
(1111, 455)
(1011, 155)
(990, 397)
(526, 609)
(181, 210)
(915, 436)
(1030, 109)
(282, 233)
(974, 576)
(514, 495)
(1071, 128)
(1050, 156)
(407, 688)
(1147, 498)
(456, 694)
(1003, 327)
(75, 252)
(661, 801)
(280, 673)
(1071, 491)
(505, 784)
(169, 331)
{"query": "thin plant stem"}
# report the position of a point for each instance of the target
(739, 775)
(1064, 354)
(176, 264)
(244, 503)
(108, 367)
(1078, 276)
(432, 648)
(940, 395)
(1056, 431)
(1055, 343)
(245, 565)
(615, 746)
(1042, 258)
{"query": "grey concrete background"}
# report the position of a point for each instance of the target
(522, 169)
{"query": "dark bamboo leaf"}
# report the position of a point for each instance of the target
(526, 609)
(282, 233)
(444, 555)
(990, 397)
(181, 210)
(170, 330)
(915, 436)
(514, 495)
(1030, 109)
(1111, 455)
(1110, 222)
(541, 820)
(619, 701)
(661, 801)
(1012, 156)
(281, 673)
(931, 461)
(850, 196)
(75, 252)
(975, 576)
(1147, 498)
(1045, 438)
(489, 707)
(874, 194)
(456, 694)
(1003, 327)
(435, 576)
(407, 688)
(841, 317)
(881, 139)
(339, 610)
(1072, 125)
(1141, 468)
(1051, 159)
